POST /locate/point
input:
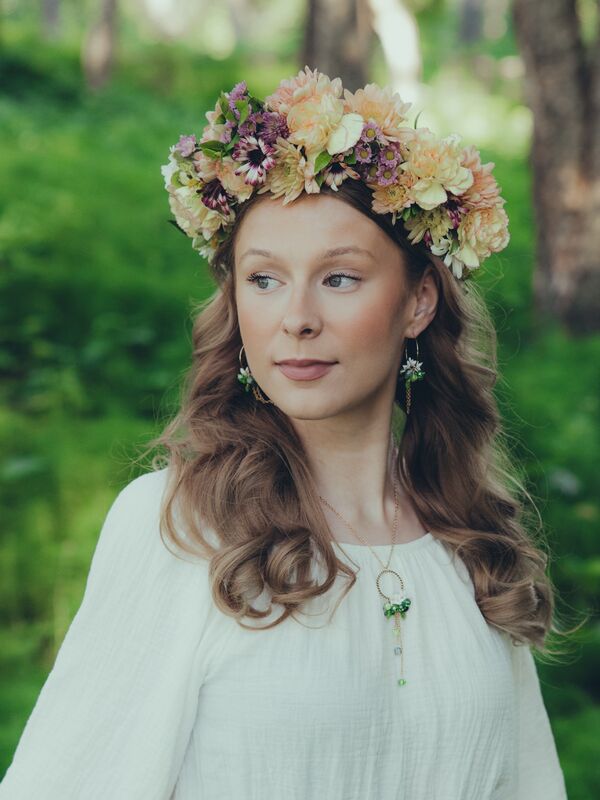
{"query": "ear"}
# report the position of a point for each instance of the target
(425, 302)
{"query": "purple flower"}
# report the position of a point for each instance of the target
(215, 197)
(455, 209)
(386, 175)
(273, 126)
(227, 131)
(363, 152)
(237, 93)
(250, 126)
(186, 145)
(372, 133)
(389, 156)
(256, 159)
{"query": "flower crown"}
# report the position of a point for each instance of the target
(304, 135)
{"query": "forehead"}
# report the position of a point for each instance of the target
(311, 222)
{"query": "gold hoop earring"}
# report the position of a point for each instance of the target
(246, 378)
(411, 371)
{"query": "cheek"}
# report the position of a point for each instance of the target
(254, 327)
(374, 329)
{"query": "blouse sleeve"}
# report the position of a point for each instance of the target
(540, 776)
(116, 711)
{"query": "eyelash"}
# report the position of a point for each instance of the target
(256, 275)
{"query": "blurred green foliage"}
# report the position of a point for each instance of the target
(97, 293)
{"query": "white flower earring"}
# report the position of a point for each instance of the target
(411, 371)
(246, 378)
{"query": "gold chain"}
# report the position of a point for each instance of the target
(385, 566)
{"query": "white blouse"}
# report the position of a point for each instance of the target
(157, 695)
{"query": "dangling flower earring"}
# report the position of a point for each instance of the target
(411, 370)
(246, 378)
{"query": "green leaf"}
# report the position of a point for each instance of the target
(212, 148)
(242, 107)
(256, 103)
(322, 160)
(175, 225)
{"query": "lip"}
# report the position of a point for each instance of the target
(303, 362)
(310, 372)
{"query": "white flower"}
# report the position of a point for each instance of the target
(411, 366)
(346, 135)
(168, 169)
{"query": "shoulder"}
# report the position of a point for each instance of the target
(137, 505)
(133, 528)
(144, 491)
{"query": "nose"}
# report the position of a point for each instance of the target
(301, 316)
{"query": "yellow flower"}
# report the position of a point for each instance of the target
(437, 165)
(287, 177)
(483, 231)
(395, 197)
(382, 106)
(436, 221)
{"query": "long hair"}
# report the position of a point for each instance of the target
(238, 466)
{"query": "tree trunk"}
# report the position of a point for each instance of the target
(50, 19)
(338, 37)
(398, 33)
(99, 46)
(562, 83)
(470, 28)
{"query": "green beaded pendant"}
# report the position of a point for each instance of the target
(395, 608)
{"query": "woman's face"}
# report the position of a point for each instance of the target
(314, 301)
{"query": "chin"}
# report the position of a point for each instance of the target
(308, 408)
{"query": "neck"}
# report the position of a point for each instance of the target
(356, 477)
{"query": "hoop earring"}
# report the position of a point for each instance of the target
(246, 378)
(411, 371)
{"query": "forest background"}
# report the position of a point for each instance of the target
(98, 290)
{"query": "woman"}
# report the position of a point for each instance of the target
(362, 507)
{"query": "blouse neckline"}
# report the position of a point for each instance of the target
(414, 544)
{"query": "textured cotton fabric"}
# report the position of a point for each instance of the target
(157, 695)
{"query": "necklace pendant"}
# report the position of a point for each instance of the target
(397, 608)
(401, 606)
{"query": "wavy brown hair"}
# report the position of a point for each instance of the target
(239, 465)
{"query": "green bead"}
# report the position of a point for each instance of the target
(401, 681)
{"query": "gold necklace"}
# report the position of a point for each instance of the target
(397, 604)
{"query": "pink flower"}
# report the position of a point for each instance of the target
(484, 190)
(306, 85)
(483, 231)
(312, 105)
(186, 145)
(383, 107)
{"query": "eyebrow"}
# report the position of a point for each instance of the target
(336, 251)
